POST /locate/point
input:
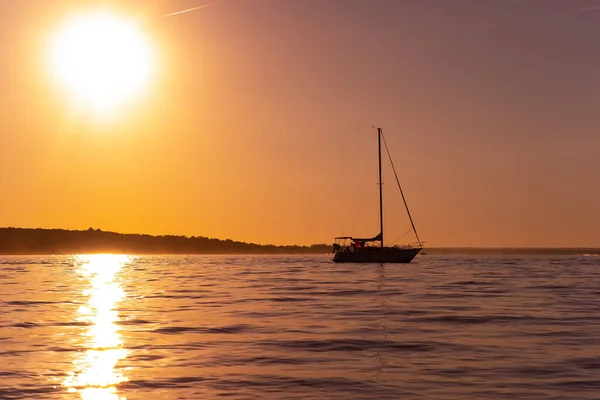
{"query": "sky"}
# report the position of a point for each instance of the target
(256, 124)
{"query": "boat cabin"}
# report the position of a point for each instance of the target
(352, 244)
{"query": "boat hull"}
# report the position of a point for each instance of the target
(384, 255)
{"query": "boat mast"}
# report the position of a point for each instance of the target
(380, 187)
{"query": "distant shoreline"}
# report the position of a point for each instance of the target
(514, 250)
(30, 241)
(37, 241)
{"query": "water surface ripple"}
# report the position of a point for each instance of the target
(299, 327)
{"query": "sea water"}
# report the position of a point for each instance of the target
(299, 327)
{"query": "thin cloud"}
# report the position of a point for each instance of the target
(589, 8)
(191, 9)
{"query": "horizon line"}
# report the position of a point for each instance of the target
(441, 247)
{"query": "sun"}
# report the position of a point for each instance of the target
(102, 60)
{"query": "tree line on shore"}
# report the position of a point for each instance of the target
(61, 241)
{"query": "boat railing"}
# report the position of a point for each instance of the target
(412, 245)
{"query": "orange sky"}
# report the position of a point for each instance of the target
(257, 123)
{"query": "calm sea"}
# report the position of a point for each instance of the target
(299, 327)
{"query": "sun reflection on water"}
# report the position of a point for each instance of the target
(95, 374)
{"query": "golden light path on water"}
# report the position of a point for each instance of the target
(95, 375)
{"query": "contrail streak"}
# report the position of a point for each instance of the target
(191, 9)
(589, 8)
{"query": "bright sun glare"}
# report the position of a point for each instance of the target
(102, 59)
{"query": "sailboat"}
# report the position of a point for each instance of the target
(373, 250)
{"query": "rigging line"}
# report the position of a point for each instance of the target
(402, 236)
(400, 187)
(360, 200)
(357, 202)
